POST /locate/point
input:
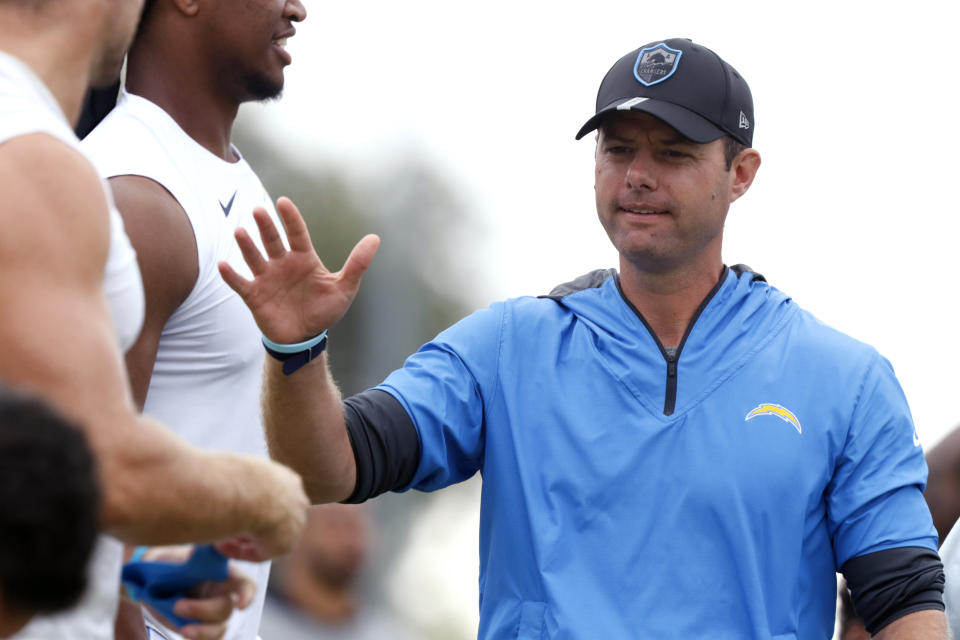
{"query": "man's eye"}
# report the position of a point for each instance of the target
(673, 153)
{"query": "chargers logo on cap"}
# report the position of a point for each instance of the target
(769, 409)
(656, 64)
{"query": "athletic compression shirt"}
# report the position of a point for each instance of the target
(206, 381)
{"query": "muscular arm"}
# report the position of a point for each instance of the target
(920, 625)
(160, 232)
(58, 341)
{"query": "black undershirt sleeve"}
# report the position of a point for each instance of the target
(887, 585)
(385, 443)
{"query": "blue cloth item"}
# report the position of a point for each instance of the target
(161, 584)
(627, 496)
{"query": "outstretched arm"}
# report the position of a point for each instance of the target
(59, 341)
(921, 625)
(294, 297)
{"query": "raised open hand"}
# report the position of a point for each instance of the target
(294, 297)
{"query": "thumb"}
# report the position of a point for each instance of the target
(359, 260)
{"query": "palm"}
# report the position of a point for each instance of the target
(293, 296)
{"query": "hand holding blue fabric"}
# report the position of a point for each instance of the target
(196, 593)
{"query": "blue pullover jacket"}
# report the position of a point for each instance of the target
(628, 494)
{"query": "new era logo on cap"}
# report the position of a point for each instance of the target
(744, 122)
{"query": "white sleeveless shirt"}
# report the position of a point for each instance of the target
(27, 106)
(209, 365)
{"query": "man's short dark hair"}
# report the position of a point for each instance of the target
(49, 506)
(731, 148)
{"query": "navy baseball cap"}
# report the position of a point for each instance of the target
(682, 83)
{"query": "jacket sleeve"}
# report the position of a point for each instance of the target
(875, 498)
(444, 388)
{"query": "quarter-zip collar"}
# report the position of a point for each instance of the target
(670, 395)
(714, 344)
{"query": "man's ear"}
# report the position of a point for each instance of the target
(743, 170)
(187, 7)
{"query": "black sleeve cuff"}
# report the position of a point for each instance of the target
(385, 444)
(887, 585)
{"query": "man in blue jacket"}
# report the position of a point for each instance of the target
(671, 450)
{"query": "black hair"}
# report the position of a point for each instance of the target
(49, 506)
(731, 149)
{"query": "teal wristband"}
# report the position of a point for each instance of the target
(294, 356)
(297, 347)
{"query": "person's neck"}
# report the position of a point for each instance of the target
(189, 98)
(668, 300)
(57, 55)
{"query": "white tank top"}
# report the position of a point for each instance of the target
(209, 365)
(27, 106)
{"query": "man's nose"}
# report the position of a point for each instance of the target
(641, 173)
(294, 11)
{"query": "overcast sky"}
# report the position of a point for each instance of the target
(853, 212)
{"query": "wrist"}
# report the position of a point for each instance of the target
(295, 355)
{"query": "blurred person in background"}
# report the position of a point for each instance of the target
(49, 510)
(182, 188)
(672, 450)
(316, 591)
(73, 302)
(943, 496)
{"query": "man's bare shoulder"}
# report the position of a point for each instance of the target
(55, 213)
(162, 235)
(144, 202)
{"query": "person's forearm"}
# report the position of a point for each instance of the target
(920, 625)
(303, 417)
(157, 489)
(160, 490)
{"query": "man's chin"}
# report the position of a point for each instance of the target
(262, 89)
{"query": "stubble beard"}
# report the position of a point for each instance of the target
(260, 88)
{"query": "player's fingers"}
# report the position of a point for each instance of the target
(237, 586)
(242, 548)
(272, 242)
(204, 631)
(210, 610)
(251, 254)
(358, 261)
(242, 587)
(297, 234)
(234, 280)
(244, 591)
